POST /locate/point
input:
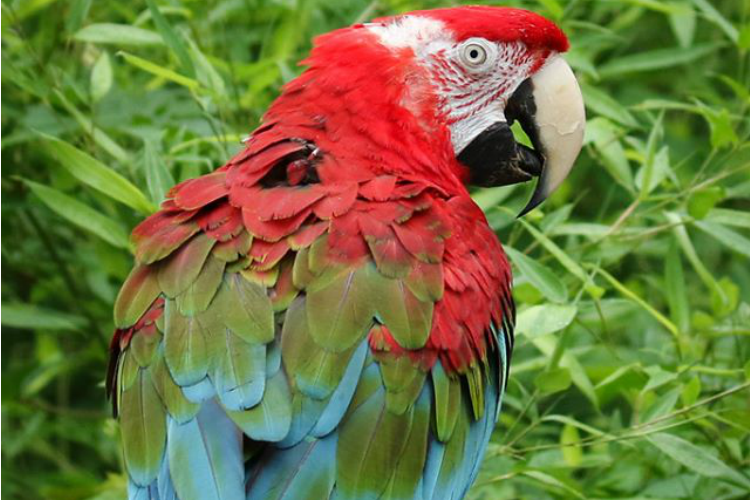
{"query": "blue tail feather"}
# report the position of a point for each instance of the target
(205, 456)
(307, 470)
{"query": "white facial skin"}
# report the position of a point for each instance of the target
(474, 79)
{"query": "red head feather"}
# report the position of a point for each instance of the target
(500, 24)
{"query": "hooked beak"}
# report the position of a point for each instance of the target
(556, 130)
(549, 108)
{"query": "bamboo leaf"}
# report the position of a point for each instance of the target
(117, 34)
(713, 15)
(638, 300)
(81, 215)
(33, 317)
(731, 239)
(101, 77)
(160, 71)
(603, 104)
(545, 319)
(695, 458)
(656, 60)
(605, 138)
(95, 174)
(172, 38)
(568, 263)
(158, 177)
(539, 275)
(676, 290)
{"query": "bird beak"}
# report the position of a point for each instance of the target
(551, 112)
(549, 108)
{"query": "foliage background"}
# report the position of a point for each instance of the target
(630, 375)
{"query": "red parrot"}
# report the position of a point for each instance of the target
(329, 315)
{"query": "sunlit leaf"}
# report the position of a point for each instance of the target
(117, 34)
(572, 452)
(702, 202)
(101, 77)
(95, 174)
(160, 71)
(695, 458)
(556, 380)
(33, 317)
(81, 215)
(544, 319)
(544, 279)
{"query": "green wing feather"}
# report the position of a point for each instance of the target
(272, 355)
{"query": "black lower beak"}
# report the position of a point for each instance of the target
(494, 158)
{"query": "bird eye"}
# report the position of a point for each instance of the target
(474, 55)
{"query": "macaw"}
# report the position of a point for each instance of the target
(329, 315)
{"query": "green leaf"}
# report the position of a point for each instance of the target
(605, 137)
(683, 22)
(117, 34)
(703, 201)
(539, 275)
(729, 238)
(205, 73)
(172, 38)
(81, 215)
(740, 90)
(554, 7)
(648, 176)
(602, 104)
(77, 15)
(689, 251)
(663, 404)
(728, 217)
(567, 262)
(33, 317)
(727, 300)
(488, 198)
(638, 300)
(95, 174)
(549, 345)
(656, 60)
(101, 77)
(691, 392)
(544, 319)
(657, 377)
(712, 14)
(572, 453)
(695, 458)
(722, 130)
(552, 381)
(676, 288)
(158, 177)
(549, 480)
(92, 130)
(743, 41)
(657, 169)
(160, 71)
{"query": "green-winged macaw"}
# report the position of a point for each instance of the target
(329, 315)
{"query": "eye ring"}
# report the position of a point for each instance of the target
(474, 55)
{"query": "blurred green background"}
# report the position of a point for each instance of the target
(630, 375)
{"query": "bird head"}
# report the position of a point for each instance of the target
(463, 75)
